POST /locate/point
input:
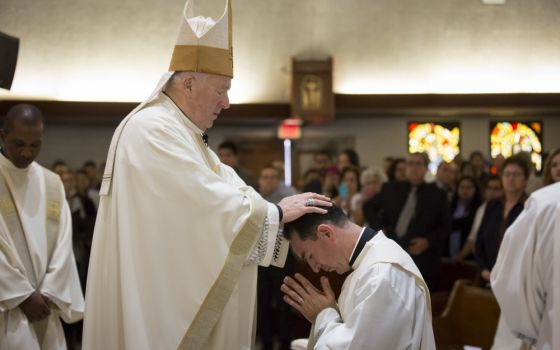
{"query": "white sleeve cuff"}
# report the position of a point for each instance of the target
(323, 319)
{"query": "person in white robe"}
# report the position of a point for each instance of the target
(179, 236)
(526, 277)
(384, 302)
(39, 281)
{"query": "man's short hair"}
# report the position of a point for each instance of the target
(306, 226)
(474, 154)
(229, 145)
(322, 152)
(58, 162)
(442, 164)
(492, 177)
(24, 113)
(423, 156)
(89, 163)
(271, 166)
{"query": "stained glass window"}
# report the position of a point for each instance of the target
(508, 138)
(441, 141)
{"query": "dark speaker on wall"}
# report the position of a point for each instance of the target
(9, 47)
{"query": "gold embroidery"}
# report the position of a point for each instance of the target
(53, 210)
(7, 207)
(215, 301)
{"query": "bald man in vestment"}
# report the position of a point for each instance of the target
(38, 277)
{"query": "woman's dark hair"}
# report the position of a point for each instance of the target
(351, 169)
(352, 157)
(547, 173)
(393, 168)
(476, 199)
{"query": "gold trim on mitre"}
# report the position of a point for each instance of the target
(210, 52)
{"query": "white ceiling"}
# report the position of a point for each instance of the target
(106, 50)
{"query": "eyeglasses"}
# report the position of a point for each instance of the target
(514, 174)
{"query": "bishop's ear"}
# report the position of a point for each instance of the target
(188, 83)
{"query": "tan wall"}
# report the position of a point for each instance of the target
(374, 138)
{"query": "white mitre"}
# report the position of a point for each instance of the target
(203, 45)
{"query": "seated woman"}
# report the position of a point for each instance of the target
(464, 203)
(492, 191)
(551, 173)
(500, 214)
(372, 179)
(349, 196)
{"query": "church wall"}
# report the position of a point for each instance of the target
(374, 138)
(116, 50)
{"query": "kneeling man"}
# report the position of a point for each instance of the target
(384, 303)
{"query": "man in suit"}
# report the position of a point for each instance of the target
(416, 215)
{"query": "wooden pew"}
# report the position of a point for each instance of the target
(450, 272)
(470, 318)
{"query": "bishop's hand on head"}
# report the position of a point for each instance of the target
(304, 203)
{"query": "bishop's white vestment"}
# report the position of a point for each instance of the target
(35, 255)
(526, 277)
(177, 241)
(384, 304)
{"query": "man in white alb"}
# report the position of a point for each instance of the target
(179, 235)
(39, 281)
(384, 302)
(526, 276)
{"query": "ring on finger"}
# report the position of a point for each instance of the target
(310, 202)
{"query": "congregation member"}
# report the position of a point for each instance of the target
(83, 215)
(416, 215)
(39, 280)
(534, 181)
(492, 191)
(464, 203)
(384, 302)
(551, 172)
(322, 160)
(478, 162)
(92, 173)
(467, 169)
(349, 191)
(397, 170)
(229, 155)
(179, 235)
(60, 167)
(445, 178)
(371, 180)
(347, 158)
(500, 214)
